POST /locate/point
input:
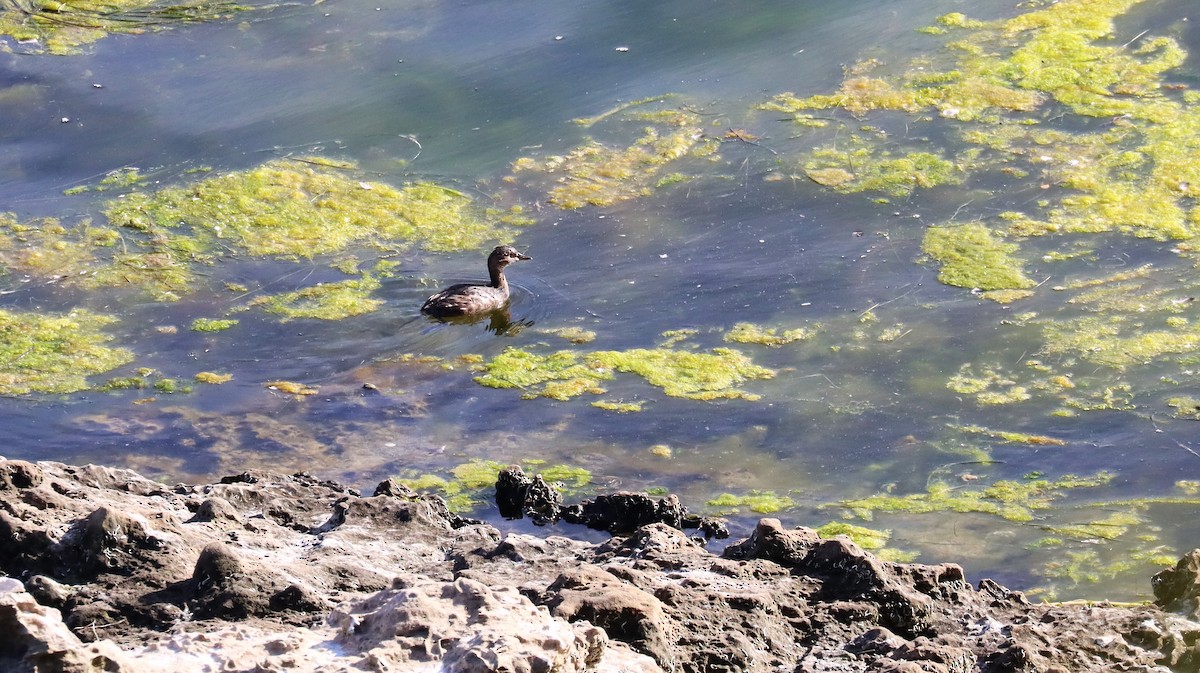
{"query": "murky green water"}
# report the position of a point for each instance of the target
(1004, 439)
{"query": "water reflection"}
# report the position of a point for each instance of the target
(499, 322)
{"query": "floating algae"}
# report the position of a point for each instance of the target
(867, 538)
(65, 26)
(619, 407)
(1135, 175)
(212, 324)
(749, 333)
(285, 208)
(1007, 499)
(599, 174)
(47, 250)
(565, 374)
(301, 208)
(52, 353)
(760, 502)
(1011, 437)
(323, 301)
(212, 378)
(992, 385)
(868, 169)
(971, 256)
(576, 335)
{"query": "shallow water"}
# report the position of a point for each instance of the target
(455, 93)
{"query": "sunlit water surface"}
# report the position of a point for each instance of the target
(454, 92)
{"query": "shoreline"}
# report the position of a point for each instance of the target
(110, 571)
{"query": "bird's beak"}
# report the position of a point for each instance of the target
(523, 257)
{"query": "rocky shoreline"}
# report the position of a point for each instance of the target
(109, 571)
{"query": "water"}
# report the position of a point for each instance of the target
(455, 93)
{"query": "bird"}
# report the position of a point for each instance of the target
(467, 299)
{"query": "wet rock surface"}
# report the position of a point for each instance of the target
(108, 571)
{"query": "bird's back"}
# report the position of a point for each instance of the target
(465, 298)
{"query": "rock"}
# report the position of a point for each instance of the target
(278, 572)
(35, 639)
(625, 612)
(18, 474)
(1178, 589)
(625, 512)
(216, 509)
(468, 627)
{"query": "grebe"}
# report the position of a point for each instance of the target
(476, 298)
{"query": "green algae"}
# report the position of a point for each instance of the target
(54, 353)
(989, 385)
(971, 256)
(171, 386)
(569, 476)
(300, 208)
(600, 174)
(1109, 527)
(291, 388)
(560, 375)
(476, 474)
(1011, 437)
(1120, 341)
(323, 301)
(1185, 407)
(868, 169)
(469, 482)
(64, 27)
(563, 375)
(1015, 501)
(760, 502)
(1090, 566)
(46, 249)
(212, 378)
(619, 407)
(749, 333)
(212, 324)
(867, 538)
(122, 178)
(576, 335)
(697, 376)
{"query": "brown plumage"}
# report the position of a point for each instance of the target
(476, 298)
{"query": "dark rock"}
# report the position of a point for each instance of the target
(298, 599)
(223, 587)
(216, 568)
(518, 496)
(395, 489)
(511, 486)
(624, 512)
(1178, 589)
